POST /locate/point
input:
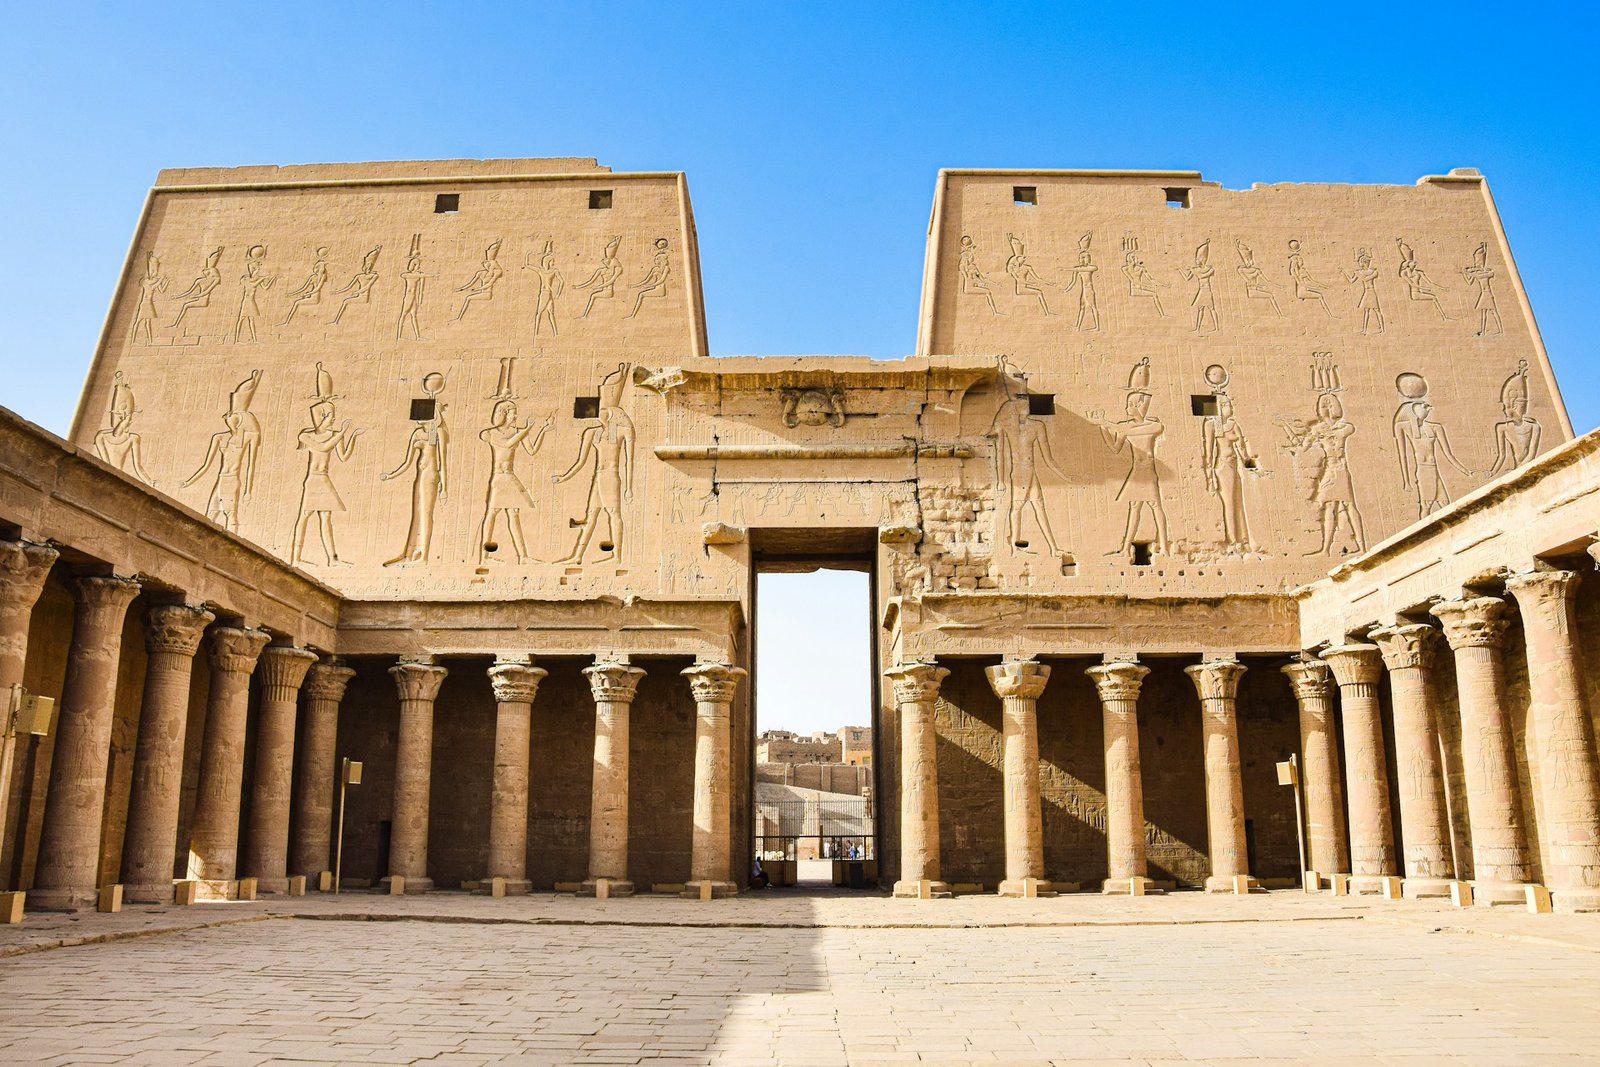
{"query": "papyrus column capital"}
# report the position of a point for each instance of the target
(713, 683)
(283, 667)
(1310, 678)
(417, 680)
(516, 683)
(1216, 679)
(1478, 622)
(1023, 678)
(1406, 647)
(916, 683)
(105, 594)
(614, 683)
(1118, 680)
(1539, 588)
(235, 650)
(1354, 664)
(327, 681)
(175, 629)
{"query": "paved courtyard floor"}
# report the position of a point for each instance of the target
(779, 978)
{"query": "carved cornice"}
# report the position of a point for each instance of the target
(516, 683)
(417, 681)
(1024, 678)
(1216, 679)
(284, 668)
(1310, 678)
(23, 568)
(1118, 680)
(327, 681)
(916, 683)
(1354, 664)
(175, 629)
(613, 683)
(235, 650)
(1408, 647)
(713, 683)
(1475, 623)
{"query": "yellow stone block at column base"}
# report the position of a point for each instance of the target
(497, 887)
(247, 889)
(923, 889)
(1339, 884)
(1538, 898)
(1392, 888)
(185, 892)
(110, 899)
(1461, 894)
(1131, 887)
(297, 885)
(324, 881)
(1311, 882)
(397, 885)
(11, 907)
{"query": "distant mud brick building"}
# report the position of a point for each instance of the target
(427, 465)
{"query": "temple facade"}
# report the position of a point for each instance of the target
(428, 466)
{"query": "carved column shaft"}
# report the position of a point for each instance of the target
(418, 685)
(1019, 684)
(313, 807)
(1319, 770)
(67, 875)
(515, 687)
(613, 686)
(1217, 683)
(1356, 668)
(1419, 772)
(282, 670)
(916, 693)
(1118, 684)
(714, 686)
(23, 570)
(1563, 738)
(1475, 630)
(214, 838)
(149, 849)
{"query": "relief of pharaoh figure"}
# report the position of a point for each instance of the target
(234, 452)
(322, 442)
(507, 497)
(1516, 440)
(1021, 446)
(427, 457)
(610, 446)
(1226, 456)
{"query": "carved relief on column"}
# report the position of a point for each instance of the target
(515, 685)
(1561, 737)
(282, 670)
(69, 843)
(1118, 683)
(1357, 668)
(1407, 652)
(613, 686)
(1475, 630)
(713, 686)
(1319, 771)
(312, 835)
(916, 692)
(418, 685)
(1019, 684)
(1217, 683)
(214, 838)
(172, 636)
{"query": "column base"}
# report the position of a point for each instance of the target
(63, 899)
(1365, 884)
(926, 889)
(160, 893)
(272, 885)
(1027, 887)
(1224, 883)
(409, 887)
(1487, 894)
(514, 887)
(719, 890)
(1424, 888)
(1130, 887)
(615, 887)
(1577, 899)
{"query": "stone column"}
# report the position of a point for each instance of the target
(1419, 769)
(1319, 767)
(515, 686)
(613, 686)
(1019, 684)
(916, 692)
(23, 569)
(1475, 630)
(313, 801)
(1356, 668)
(713, 686)
(1563, 739)
(67, 875)
(214, 836)
(172, 636)
(1118, 682)
(418, 684)
(266, 857)
(1217, 683)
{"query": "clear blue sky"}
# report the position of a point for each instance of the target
(811, 134)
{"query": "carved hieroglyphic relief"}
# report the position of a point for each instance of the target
(1141, 283)
(1480, 280)
(1204, 298)
(1083, 281)
(507, 497)
(603, 282)
(1022, 274)
(551, 284)
(118, 444)
(233, 451)
(654, 283)
(1420, 441)
(415, 281)
(144, 308)
(1516, 440)
(251, 284)
(1305, 286)
(1419, 287)
(322, 442)
(1256, 286)
(1321, 451)
(481, 285)
(610, 445)
(1365, 276)
(359, 288)
(1139, 433)
(1226, 458)
(198, 295)
(1021, 447)
(972, 280)
(309, 292)
(428, 459)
